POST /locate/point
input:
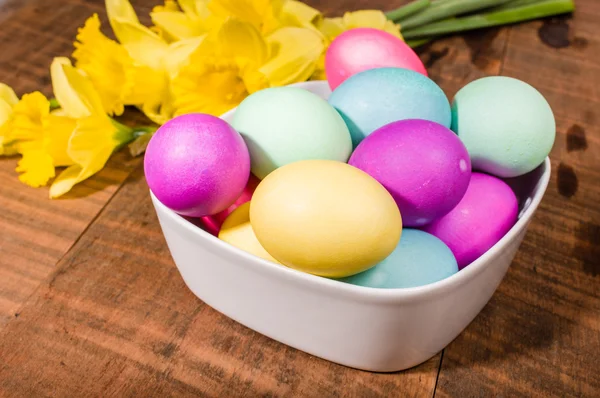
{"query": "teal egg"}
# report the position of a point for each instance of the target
(283, 125)
(506, 125)
(419, 259)
(376, 97)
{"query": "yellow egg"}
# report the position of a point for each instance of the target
(325, 217)
(237, 231)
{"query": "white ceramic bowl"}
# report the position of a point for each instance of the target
(372, 329)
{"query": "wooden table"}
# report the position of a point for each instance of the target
(91, 303)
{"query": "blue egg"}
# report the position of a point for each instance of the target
(373, 98)
(419, 259)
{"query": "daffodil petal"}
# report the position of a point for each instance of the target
(393, 29)
(106, 63)
(240, 9)
(148, 85)
(143, 45)
(176, 24)
(36, 168)
(8, 95)
(121, 9)
(198, 11)
(241, 39)
(29, 116)
(170, 5)
(300, 14)
(191, 7)
(5, 111)
(332, 27)
(370, 19)
(159, 112)
(58, 132)
(90, 147)
(74, 91)
(297, 52)
(319, 73)
(212, 86)
(180, 53)
(253, 79)
(7, 148)
(66, 180)
(260, 13)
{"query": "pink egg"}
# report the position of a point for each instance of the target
(360, 49)
(423, 164)
(483, 216)
(213, 223)
(197, 165)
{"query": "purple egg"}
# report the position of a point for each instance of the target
(197, 165)
(423, 164)
(484, 215)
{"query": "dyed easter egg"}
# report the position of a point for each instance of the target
(484, 215)
(371, 99)
(507, 126)
(419, 259)
(237, 231)
(423, 164)
(213, 223)
(325, 218)
(360, 49)
(283, 125)
(197, 165)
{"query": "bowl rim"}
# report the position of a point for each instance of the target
(355, 291)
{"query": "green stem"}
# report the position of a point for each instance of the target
(54, 104)
(407, 10)
(541, 9)
(513, 4)
(143, 130)
(448, 8)
(419, 42)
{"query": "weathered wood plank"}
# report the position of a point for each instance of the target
(36, 232)
(540, 334)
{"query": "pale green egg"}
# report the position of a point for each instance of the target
(287, 124)
(506, 125)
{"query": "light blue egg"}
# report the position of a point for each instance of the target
(376, 97)
(419, 259)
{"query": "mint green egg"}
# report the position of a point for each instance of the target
(283, 125)
(506, 125)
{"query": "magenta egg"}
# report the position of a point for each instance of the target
(360, 49)
(197, 165)
(485, 214)
(423, 164)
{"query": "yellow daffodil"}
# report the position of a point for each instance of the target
(333, 27)
(117, 77)
(107, 64)
(94, 137)
(237, 61)
(191, 20)
(41, 137)
(149, 50)
(8, 99)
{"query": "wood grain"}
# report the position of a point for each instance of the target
(92, 305)
(36, 232)
(540, 334)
